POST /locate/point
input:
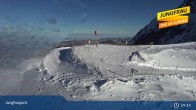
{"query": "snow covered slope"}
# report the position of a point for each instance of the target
(105, 72)
(167, 57)
(177, 34)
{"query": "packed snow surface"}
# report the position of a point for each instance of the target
(111, 72)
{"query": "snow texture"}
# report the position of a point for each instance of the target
(109, 72)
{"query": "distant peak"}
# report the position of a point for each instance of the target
(191, 3)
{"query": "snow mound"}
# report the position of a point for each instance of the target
(182, 58)
(61, 65)
(166, 57)
(51, 61)
(160, 87)
(106, 72)
(63, 60)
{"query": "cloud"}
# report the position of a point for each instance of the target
(55, 1)
(84, 17)
(7, 17)
(52, 21)
(80, 3)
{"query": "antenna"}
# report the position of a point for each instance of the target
(96, 38)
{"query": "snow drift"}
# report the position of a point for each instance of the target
(167, 57)
(104, 73)
(63, 60)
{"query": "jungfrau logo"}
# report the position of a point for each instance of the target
(173, 17)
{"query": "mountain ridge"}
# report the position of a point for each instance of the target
(172, 35)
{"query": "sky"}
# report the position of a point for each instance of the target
(30, 28)
(61, 17)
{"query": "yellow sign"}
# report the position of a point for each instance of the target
(173, 17)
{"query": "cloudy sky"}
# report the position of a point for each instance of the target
(59, 17)
(29, 28)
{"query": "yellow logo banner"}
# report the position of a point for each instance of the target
(173, 17)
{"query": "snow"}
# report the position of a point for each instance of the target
(51, 61)
(182, 33)
(167, 58)
(168, 87)
(104, 73)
